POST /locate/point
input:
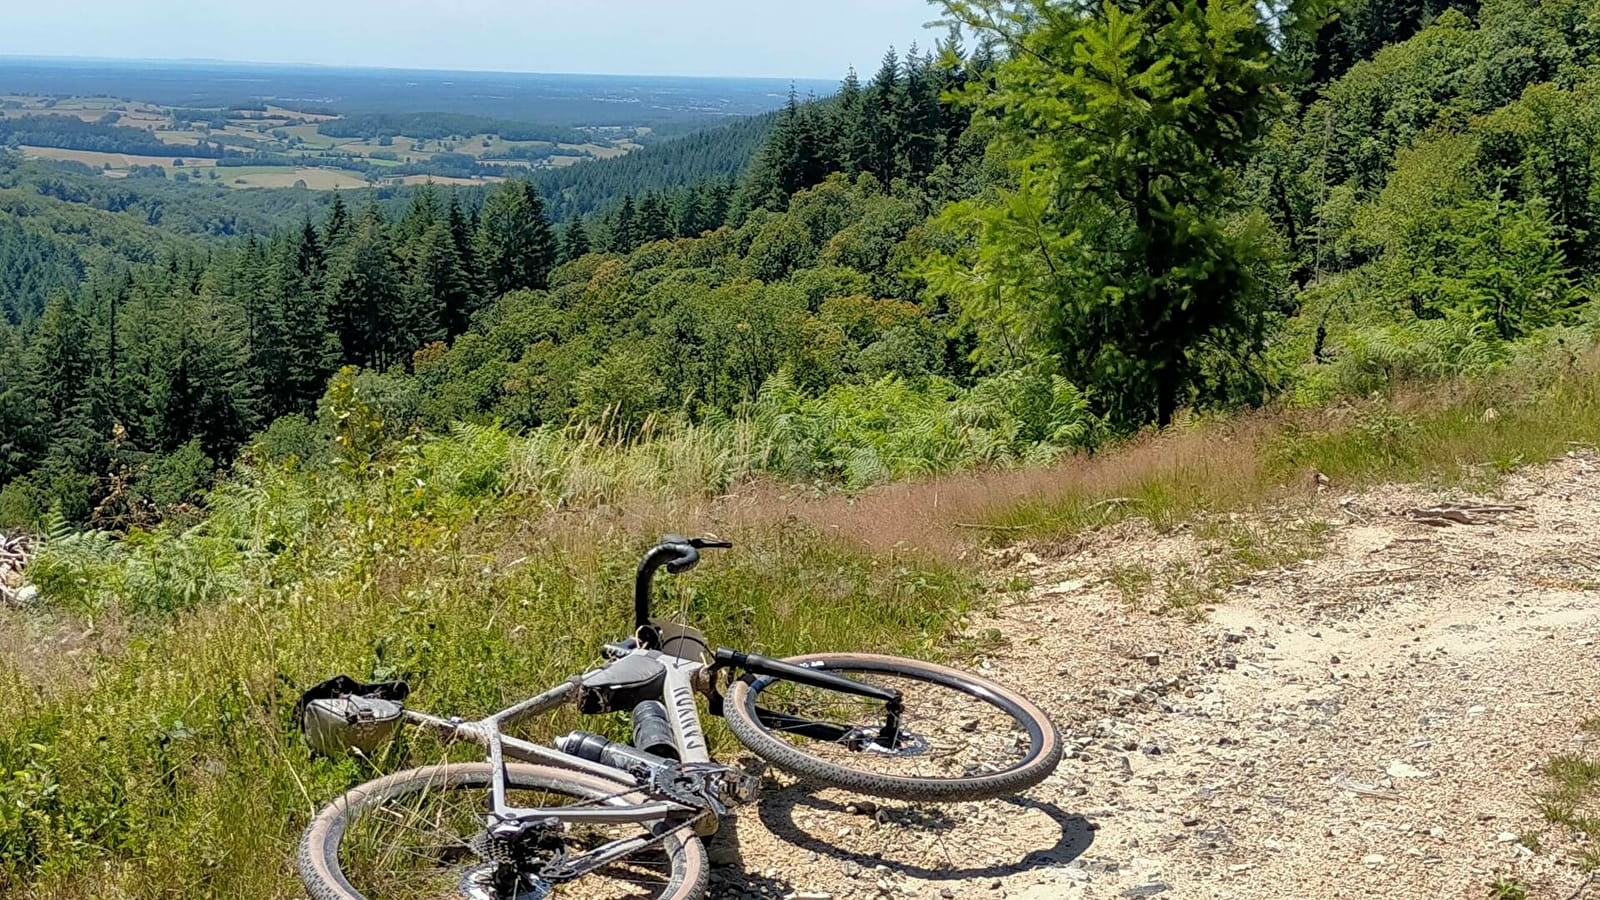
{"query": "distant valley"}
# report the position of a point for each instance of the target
(249, 126)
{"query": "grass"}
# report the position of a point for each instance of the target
(1462, 435)
(1507, 888)
(317, 179)
(483, 567)
(1231, 549)
(1571, 798)
(142, 768)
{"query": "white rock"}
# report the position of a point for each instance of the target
(1399, 769)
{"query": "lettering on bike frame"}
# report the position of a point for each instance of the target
(687, 734)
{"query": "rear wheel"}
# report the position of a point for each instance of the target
(960, 737)
(420, 834)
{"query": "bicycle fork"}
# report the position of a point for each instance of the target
(887, 738)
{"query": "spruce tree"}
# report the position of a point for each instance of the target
(462, 232)
(882, 104)
(516, 247)
(574, 239)
(21, 432)
(624, 236)
(418, 220)
(1112, 257)
(688, 211)
(852, 134)
(365, 299)
(337, 228)
(719, 203)
(917, 117)
(653, 222)
(440, 302)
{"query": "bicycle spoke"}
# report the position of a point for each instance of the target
(419, 847)
(951, 734)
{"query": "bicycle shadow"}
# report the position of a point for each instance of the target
(738, 882)
(919, 828)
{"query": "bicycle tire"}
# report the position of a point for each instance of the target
(1042, 758)
(324, 878)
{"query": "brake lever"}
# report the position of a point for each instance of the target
(704, 543)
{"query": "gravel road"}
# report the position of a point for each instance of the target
(1366, 724)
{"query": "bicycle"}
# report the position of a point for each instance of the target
(591, 818)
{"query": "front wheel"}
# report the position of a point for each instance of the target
(420, 834)
(960, 737)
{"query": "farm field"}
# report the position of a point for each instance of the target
(118, 163)
(316, 179)
(280, 135)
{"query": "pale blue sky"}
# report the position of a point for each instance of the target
(790, 38)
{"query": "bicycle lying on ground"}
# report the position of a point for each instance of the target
(594, 818)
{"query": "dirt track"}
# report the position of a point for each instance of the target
(1368, 724)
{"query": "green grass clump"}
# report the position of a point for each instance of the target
(1571, 798)
(1507, 888)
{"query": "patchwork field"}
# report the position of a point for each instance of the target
(282, 135)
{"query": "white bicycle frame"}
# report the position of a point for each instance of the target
(678, 695)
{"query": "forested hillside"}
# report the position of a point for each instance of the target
(713, 154)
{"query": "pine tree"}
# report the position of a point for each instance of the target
(365, 299)
(516, 246)
(574, 239)
(440, 302)
(624, 237)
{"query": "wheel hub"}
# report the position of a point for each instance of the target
(873, 740)
(502, 881)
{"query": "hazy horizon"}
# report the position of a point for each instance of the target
(702, 38)
(158, 61)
